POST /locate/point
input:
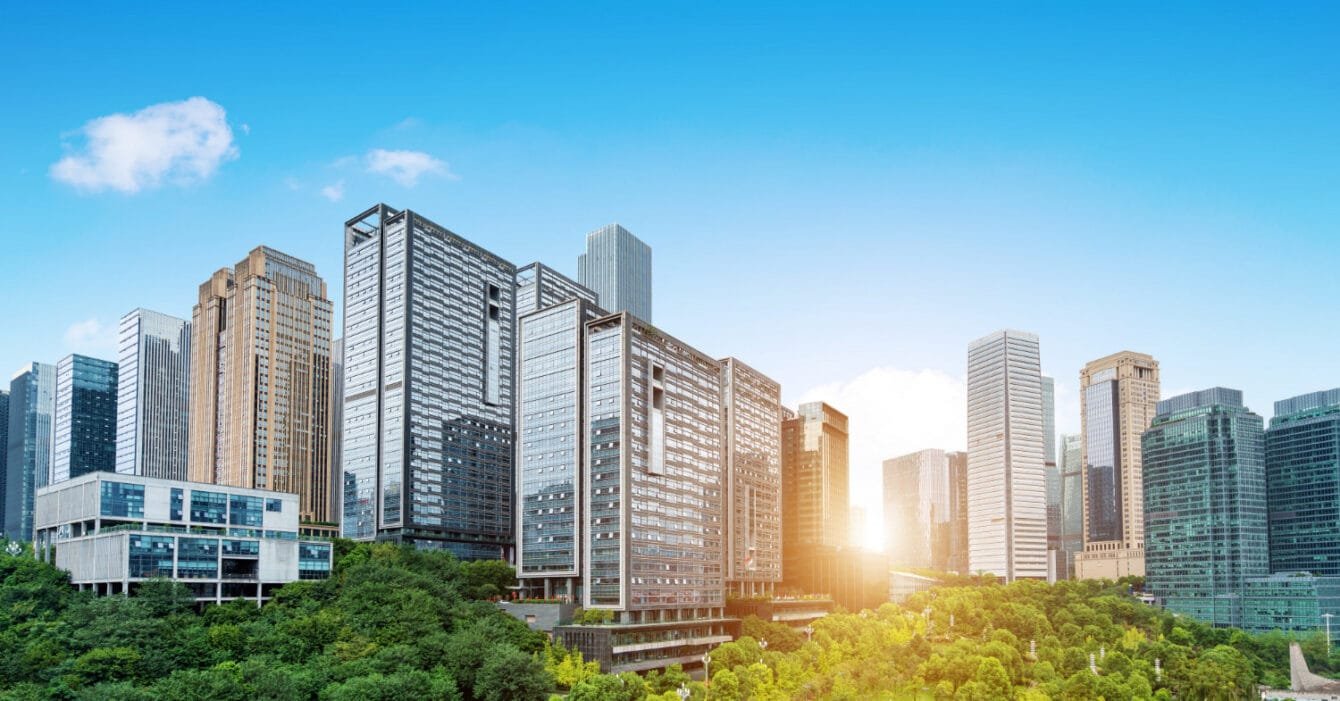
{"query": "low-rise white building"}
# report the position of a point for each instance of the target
(111, 531)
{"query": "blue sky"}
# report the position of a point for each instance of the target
(844, 196)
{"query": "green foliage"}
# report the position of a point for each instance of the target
(592, 617)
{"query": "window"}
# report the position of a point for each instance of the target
(197, 558)
(177, 504)
(150, 556)
(274, 506)
(121, 499)
(244, 510)
(208, 507)
(313, 560)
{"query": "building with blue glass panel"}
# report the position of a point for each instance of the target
(1205, 504)
(83, 436)
(113, 531)
(32, 404)
(1303, 475)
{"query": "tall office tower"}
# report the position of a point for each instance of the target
(1118, 395)
(1303, 476)
(428, 386)
(539, 286)
(1052, 481)
(918, 510)
(1007, 493)
(751, 405)
(4, 451)
(957, 463)
(1072, 501)
(1205, 504)
(32, 408)
(153, 395)
(260, 380)
(617, 267)
(83, 432)
(814, 472)
(653, 434)
(334, 495)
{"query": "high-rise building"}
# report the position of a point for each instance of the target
(153, 395)
(335, 494)
(1052, 480)
(260, 380)
(814, 475)
(539, 286)
(1072, 501)
(4, 452)
(1007, 494)
(1205, 504)
(752, 459)
(1118, 394)
(32, 408)
(958, 508)
(428, 386)
(617, 267)
(653, 521)
(1303, 476)
(918, 510)
(83, 432)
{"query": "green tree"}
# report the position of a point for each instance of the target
(509, 674)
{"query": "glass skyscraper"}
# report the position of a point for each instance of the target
(1303, 475)
(4, 452)
(957, 463)
(1205, 504)
(752, 459)
(617, 267)
(153, 395)
(32, 406)
(83, 434)
(918, 510)
(1072, 500)
(429, 358)
(1007, 494)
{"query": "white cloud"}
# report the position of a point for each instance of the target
(405, 167)
(91, 337)
(334, 192)
(894, 412)
(179, 142)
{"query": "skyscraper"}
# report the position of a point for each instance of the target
(260, 380)
(4, 452)
(83, 433)
(1007, 497)
(336, 442)
(1052, 480)
(752, 459)
(153, 395)
(958, 509)
(1072, 500)
(918, 510)
(1118, 395)
(617, 267)
(428, 386)
(1205, 504)
(32, 406)
(1303, 476)
(814, 475)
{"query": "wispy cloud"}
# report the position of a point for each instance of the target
(405, 167)
(91, 337)
(333, 192)
(177, 142)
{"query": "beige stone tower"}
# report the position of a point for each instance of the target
(1118, 396)
(260, 381)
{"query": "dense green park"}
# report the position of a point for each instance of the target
(394, 623)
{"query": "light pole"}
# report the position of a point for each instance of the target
(707, 667)
(683, 692)
(1327, 617)
(809, 632)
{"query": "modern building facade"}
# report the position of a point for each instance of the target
(1303, 476)
(539, 286)
(83, 433)
(1071, 470)
(551, 463)
(4, 453)
(814, 491)
(1291, 601)
(1056, 568)
(653, 521)
(153, 395)
(918, 510)
(751, 405)
(1007, 496)
(958, 508)
(32, 408)
(617, 267)
(1118, 395)
(1205, 504)
(112, 531)
(260, 380)
(429, 386)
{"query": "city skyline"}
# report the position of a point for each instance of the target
(1228, 175)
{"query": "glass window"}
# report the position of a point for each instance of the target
(244, 510)
(150, 556)
(177, 504)
(313, 560)
(197, 558)
(208, 507)
(275, 506)
(120, 499)
(233, 548)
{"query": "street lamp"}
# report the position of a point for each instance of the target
(1328, 617)
(707, 667)
(683, 692)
